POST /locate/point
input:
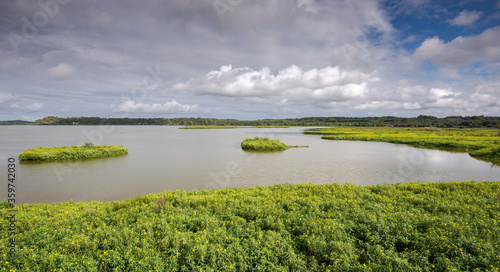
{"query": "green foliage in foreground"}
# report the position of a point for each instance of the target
(87, 151)
(263, 144)
(480, 143)
(451, 226)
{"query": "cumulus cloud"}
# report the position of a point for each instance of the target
(61, 71)
(167, 107)
(289, 84)
(466, 18)
(332, 88)
(303, 56)
(462, 51)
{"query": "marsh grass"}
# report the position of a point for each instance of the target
(449, 226)
(479, 143)
(263, 144)
(87, 151)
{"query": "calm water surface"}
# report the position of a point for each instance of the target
(167, 158)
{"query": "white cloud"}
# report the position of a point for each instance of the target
(32, 107)
(331, 88)
(301, 56)
(4, 97)
(466, 18)
(462, 51)
(61, 71)
(498, 4)
(35, 106)
(167, 107)
(290, 84)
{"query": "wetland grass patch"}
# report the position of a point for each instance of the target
(87, 151)
(479, 143)
(449, 226)
(263, 144)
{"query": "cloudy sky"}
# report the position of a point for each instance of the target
(248, 59)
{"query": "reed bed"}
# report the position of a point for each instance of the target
(263, 144)
(479, 143)
(87, 151)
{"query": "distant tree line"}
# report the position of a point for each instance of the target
(15, 122)
(420, 121)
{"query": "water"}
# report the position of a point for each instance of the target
(167, 158)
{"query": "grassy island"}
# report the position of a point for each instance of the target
(87, 151)
(479, 143)
(263, 144)
(448, 226)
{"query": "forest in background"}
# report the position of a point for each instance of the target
(420, 121)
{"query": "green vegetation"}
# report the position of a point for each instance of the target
(87, 151)
(480, 143)
(451, 226)
(420, 121)
(207, 127)
(263, 144)
(15, 122)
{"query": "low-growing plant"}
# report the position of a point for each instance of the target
(479, 143)
(301, 227)
(263, 144)
(87, 151)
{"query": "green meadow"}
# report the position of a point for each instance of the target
(263, 144)
(449, 226)
(87, 151)
(479, 143)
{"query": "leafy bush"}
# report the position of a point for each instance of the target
(263, 144)
(87, 144)
(87, 151)
(403, 227)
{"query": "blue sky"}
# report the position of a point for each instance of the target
(250, 59)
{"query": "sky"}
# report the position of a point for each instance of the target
(248, 59)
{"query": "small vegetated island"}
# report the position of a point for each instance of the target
(87, 151)
(479, 143)
(263, 144)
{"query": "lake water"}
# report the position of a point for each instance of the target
(167, 158)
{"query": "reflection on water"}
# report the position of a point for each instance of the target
(167, 158)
